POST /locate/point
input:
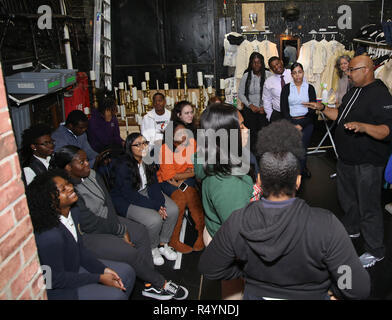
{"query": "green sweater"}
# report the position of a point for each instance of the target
(221, 195)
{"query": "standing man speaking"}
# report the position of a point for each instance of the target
(362, 137)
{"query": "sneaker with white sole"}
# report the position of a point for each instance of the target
(368, 260)
(354, 235)
(168, 252)
(157, 258)
(388, 207)
(156, 293)
(178, 292)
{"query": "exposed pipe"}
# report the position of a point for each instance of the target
(67, 44)
(382, 10)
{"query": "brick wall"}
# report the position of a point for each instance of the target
(20, 272)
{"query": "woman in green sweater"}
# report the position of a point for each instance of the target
(222, 166)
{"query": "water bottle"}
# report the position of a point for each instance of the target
(324, 95)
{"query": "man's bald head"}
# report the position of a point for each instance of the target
(361, 71)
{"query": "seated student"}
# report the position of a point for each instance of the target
(175, 172)
(225, 187)
(183, 113)
(154, 122)
(137, 195)
(107, 235)
(36, 151)
(74, 133)
(76, 272)
(287, 249)
(103, 131)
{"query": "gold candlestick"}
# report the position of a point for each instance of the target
(186, 93)
(222, 95)
(148, 92)
(146, 107)
(178, 88)
(94, 93)
(201, 100)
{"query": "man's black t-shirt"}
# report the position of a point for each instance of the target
(371, 104)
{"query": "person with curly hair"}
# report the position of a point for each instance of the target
(36, 151)
(282, 247)
(103, 131)
(106, 234)
(76, 274)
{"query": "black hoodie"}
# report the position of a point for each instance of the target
(371, 104)
(285, 250)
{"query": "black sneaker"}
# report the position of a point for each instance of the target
(178, 292)
(156, 293)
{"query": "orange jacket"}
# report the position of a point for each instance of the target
(175, 162)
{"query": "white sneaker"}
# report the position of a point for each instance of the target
(157, 258)
(368, 260)
(388, 207)
(168, 252)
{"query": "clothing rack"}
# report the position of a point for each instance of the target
(256, 33)
(372, 43)
(315, 33)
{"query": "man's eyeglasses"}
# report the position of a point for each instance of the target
(46, 143)
(140, 144)
(353, 69)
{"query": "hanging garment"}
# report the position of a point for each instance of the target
(268, 49)
(385, 75)
(231, 43)
(313, 57)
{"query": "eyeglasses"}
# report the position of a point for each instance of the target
(46, 143)
(140, 144)
(353, 69)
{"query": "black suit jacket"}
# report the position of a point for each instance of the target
(58, 249)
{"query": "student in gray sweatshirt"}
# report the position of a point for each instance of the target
(107, 234)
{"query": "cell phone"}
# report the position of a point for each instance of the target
(183, 186)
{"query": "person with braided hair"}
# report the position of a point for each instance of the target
(250, 93)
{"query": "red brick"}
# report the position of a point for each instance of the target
(29, 249)
(18, 171)
(35, 288)
(5, 172)
(14, 240)
(26, 295)
(21, 209)
(5, 122)
(10, 193)
(9, 270)
(22, 281)
(7, 146)
(3, 296)
(6, 223)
